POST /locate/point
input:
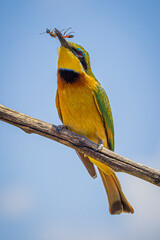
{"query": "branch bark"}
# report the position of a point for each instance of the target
(115, 161)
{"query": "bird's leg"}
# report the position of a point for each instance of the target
(60, 127)
(100, 146)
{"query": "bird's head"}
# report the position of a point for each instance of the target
(72, 56)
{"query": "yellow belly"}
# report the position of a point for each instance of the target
(80, 113)
(81, 116)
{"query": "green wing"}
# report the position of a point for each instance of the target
(104, 108)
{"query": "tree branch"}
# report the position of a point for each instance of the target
(80, 143)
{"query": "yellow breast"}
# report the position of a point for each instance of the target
(78, 108)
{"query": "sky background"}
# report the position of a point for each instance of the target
(45, 192)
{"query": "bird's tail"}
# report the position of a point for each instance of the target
(116, 198)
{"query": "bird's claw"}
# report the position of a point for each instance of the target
(100, 146)
(60, 127)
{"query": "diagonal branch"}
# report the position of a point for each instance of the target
(80, 143)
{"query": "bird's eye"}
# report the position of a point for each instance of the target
(80, 53)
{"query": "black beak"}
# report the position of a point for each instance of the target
(65, 44)
(63, 41)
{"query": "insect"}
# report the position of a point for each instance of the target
(53, 34)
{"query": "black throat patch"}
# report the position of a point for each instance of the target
(68, 75)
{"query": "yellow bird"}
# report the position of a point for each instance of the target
(84, 108)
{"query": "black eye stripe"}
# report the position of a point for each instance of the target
(84, 64)
(81, 58)
(78, 51)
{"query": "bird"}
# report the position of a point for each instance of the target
(83, 108)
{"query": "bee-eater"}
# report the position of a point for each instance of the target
(84, 108)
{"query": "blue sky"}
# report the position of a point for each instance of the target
(45, 192)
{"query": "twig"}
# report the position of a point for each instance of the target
(80, 143)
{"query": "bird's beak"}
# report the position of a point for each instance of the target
(63, 41)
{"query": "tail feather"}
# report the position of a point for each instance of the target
(116, 198)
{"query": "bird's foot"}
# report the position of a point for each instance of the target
(100, 146)
(60, 127)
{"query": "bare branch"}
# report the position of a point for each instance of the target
(80, 143)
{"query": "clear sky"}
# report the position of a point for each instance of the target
(45, 192)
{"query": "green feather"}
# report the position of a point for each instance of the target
(105, 109)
